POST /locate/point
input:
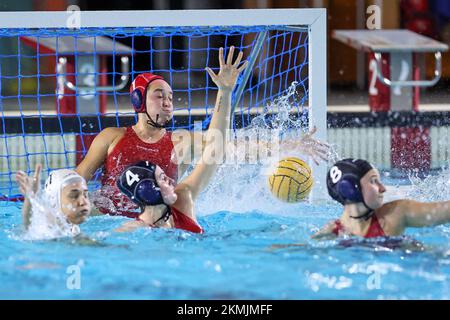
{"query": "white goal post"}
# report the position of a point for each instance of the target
(314, 20)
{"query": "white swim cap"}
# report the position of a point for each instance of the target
(56, 181)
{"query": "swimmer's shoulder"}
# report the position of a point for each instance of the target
(391, 216)
(109, 137)
(112, 133)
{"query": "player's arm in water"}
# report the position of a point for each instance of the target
(356, 184)
(28, 186)
(401, 214)
(325, 233)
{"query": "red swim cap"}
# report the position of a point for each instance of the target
(138, 90)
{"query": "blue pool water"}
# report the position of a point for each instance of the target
(236, 258)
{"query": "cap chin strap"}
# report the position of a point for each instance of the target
(155, 124)
(165, 216)
(366, 216)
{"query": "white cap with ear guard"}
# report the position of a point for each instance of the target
(56, 181)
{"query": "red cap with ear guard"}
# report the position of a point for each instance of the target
(138, 90)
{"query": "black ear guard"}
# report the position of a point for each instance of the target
(136, 100)
(138, 90)
(349, 189)
(343, 180)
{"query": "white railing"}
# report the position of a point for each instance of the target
(373, 144)
(24, 152)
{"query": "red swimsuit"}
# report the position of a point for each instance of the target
(374, 231)
(130, 150)
(183, 222)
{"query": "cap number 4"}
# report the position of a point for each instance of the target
(131, 177)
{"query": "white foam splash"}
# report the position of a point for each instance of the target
(46, 222)
(241, 187)
(432, 188)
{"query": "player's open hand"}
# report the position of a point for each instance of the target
(314, 148)
(29, 185)
(229, 71)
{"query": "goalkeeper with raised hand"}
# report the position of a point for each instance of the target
(114, 149)
(164, 204)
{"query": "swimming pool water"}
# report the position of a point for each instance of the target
(255, 248)
(234, 259)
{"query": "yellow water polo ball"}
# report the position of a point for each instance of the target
(291, 180)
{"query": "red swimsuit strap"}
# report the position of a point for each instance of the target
(181, 221)
(337, 227)
(375, 229)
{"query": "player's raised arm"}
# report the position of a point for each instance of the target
(28, 186)
(216, 138)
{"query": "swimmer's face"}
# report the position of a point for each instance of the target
(167, 186)
(75, 203)
(159, 101)
(373, 189)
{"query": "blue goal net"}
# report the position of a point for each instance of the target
(59, 87)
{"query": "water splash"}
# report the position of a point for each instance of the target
(46, 222)
(432, 188)
(245, 183)
(332, 155)
(282, 110)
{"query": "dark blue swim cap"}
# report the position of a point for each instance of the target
(343, 180)
(138, 183)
